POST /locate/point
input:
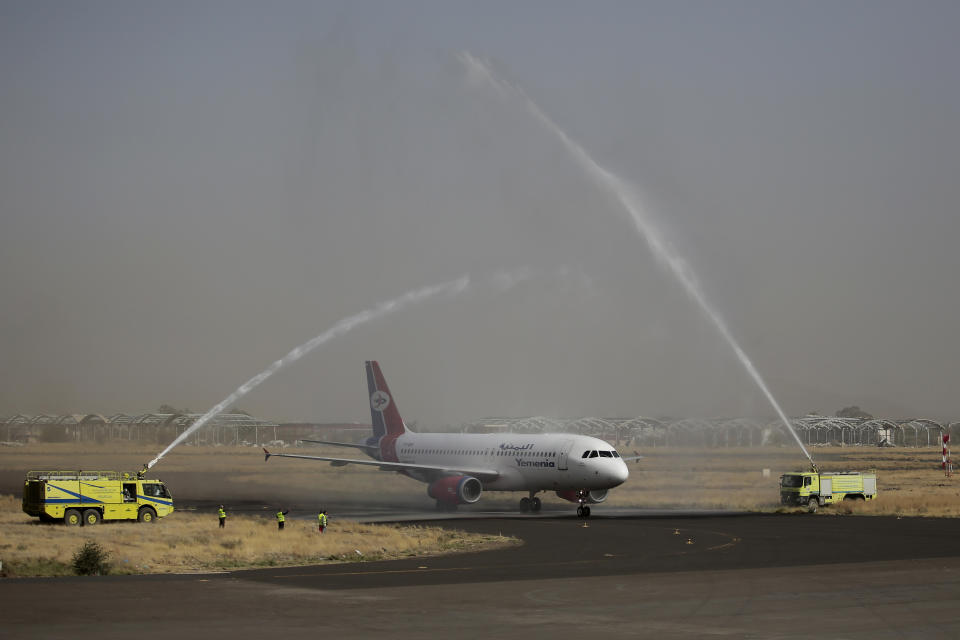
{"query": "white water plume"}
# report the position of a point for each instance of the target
(500, 282)
(625, 195)
(453, 287)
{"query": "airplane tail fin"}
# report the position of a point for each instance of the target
(383, 410)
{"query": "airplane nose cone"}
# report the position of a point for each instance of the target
(619, 473)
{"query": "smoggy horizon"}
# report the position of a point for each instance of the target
(191, 190)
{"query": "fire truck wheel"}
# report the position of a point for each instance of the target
(147, 514)
(91, 517)
(812, 506)
(71, 517)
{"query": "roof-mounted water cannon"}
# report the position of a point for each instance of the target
(143, 472)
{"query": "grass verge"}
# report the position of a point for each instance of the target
(189, 542)
(910, 480)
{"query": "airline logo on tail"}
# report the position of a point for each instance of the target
(379, 400)
(387, 423)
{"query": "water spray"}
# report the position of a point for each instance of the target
(452, 287)
(626, 196)
(500, 282)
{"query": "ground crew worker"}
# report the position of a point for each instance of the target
(223, 516)
(322, 517)
(280, 519)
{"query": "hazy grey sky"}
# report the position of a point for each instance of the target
(189, 190)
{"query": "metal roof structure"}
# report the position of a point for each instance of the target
(153, 427)
(237, 428)
(731, 432)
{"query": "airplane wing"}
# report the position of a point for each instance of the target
(480, 474)
(635, 456)
(365, 447)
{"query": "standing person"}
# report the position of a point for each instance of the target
(322, 517)
(280, 519)
(223, 516)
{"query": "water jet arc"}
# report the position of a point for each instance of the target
(454, 287)
(624, 195)
(499, 281)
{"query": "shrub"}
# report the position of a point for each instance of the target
(91, 560)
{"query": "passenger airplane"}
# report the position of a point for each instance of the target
(459, 467)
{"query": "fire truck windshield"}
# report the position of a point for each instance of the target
(792, 482)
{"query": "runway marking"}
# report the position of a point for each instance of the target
(732, 541)
(386, 571)
(732, 538)
(725, 545)
(375, 573)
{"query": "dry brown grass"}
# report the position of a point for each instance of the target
(188, 542)
(910, 480)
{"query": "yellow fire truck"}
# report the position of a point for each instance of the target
(815, 489)
(87, 497)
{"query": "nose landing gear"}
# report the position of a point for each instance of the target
(583, 511)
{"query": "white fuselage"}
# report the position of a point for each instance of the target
(551, 462)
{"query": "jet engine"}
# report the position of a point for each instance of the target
(589, 497)
(454, 490)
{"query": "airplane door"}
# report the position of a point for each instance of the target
(562, 454)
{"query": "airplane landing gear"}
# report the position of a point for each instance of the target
(530, 504)
(583, 511)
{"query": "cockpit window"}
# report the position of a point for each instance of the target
(593, 454)
(616, 455)
(606, 454)
(586, 454)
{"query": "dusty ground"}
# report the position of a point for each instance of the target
(910, 480)
(191, 542)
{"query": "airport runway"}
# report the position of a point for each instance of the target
(776, 576)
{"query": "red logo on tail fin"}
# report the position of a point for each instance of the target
(382, 401)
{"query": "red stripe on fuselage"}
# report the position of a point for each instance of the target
(388, 448)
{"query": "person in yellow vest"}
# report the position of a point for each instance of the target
(223, 516)
(280, 519)
(322, 517)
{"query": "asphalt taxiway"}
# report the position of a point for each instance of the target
(769, 576)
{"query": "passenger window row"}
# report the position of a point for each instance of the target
(464, 452)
